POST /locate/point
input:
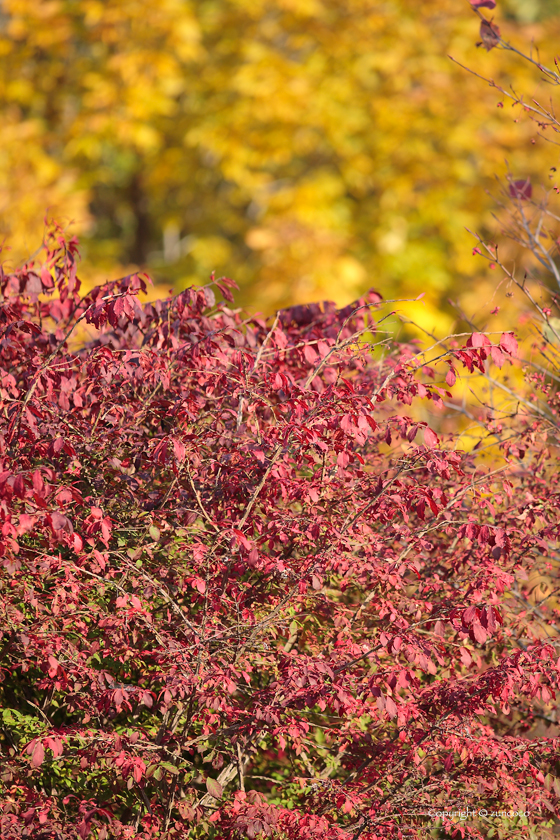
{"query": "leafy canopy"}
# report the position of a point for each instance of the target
(313, 146)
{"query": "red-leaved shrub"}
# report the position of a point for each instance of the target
(246, 591)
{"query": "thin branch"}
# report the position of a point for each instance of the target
(275, 455)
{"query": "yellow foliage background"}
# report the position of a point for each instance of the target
(310, 149)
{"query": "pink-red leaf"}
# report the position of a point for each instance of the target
(521, 190)
(508, 343)
(310, 354)
(469, 615)
(390, 707)
(38, 754)
(199, 584)
(477, 632)
(430, 438)
(497, 356)
(46, 278)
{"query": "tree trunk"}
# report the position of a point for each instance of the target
(140, 244)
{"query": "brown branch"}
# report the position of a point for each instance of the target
(260, 485)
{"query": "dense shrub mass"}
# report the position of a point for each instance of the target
(246, 591)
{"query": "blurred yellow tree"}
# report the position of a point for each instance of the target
(308, 148)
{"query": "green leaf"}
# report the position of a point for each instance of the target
(8, 716)
(154, 532)
(214, 788)
(170, 768)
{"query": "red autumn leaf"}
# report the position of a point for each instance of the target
(242, 539)
(412, 432)
(118, 306)
(346, 423)
(484, 535)
(508, 343)
(53, 666)
(179, 450)
(497, 356)
(488, 620)
(498, 615)
(451, 377)
(310, 354)
(209, 296)
(342, 459)
(54, 744)
(26, 523)
(390, 707)
(490, 34)
(465, 657)
(61, 522)
(46, 278)
(521, 189)
(483, 4)
(430, 437)
(500, 537)
(478, 340)
(469, 615)
(83, 829)
(37, 755)
(225, 291)
(477, 632)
